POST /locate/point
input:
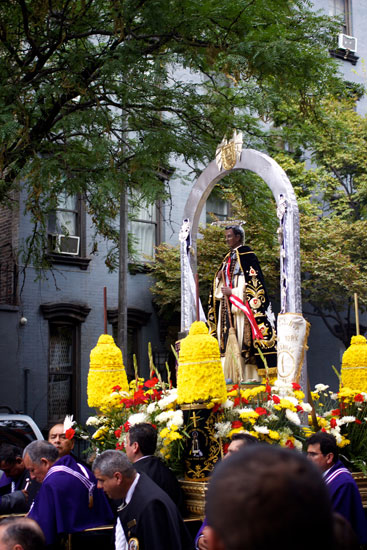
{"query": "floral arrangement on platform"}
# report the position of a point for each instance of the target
(269, 413)
(344, 415)
(151, 401)
(275, 413)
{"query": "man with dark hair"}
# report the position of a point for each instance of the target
(68, 500)
(238, 441)
(239, 291)
(323, 451)
(21, 534)
(265, 495)
(141, 443)
(147, 518)
(17, 491)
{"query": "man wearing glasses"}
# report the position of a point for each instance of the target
(345, 497)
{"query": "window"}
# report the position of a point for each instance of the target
(65, 220)
(66, 229)
(217, 207)
(61, 372)
(341, 8)
(63, 382)
(145, 227)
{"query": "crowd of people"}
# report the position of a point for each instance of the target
(258, 495)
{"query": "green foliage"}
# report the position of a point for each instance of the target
(332, 200)
(99, 96)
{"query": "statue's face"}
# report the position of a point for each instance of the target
(232, 240)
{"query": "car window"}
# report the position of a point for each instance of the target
(16, 432)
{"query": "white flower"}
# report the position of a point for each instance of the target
(137, 418)
(345, 420)
(306, 407)
(272, 417)
(334, 396)
(261, 429)
(164, 416)
(293, 417)
(68, 422)
(169, 397)
(222, 429)
(321, 387)
(152, 407)
(228, 404)
(93, 421)
(336, 433)
(298, 445)
(177, 419)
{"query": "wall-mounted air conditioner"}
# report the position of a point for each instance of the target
(65, 244)
(346, 42)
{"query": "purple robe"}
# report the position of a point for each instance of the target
(346, 499)
(62, 504)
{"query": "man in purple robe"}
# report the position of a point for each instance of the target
(345, 497)
(68, 500)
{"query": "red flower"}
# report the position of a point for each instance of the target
(235, 387)
(237, 401)
(119, 446)
(225, 448)
(299, 408)
(275, 399)
(116, 388)
(359, 398)
(335, 412)
(127, 402)
(358, 421)
(296, 386)
(333, 423)
(323, 430)
(151, 383)
(69, 434)
(216, 407)
(154, 426)
(236, 424)
(289, 444)
(118, 432)
(261, 411)
(127, 426)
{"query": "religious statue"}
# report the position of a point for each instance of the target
(239, 298)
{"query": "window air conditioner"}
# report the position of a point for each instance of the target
(346, 42)
(66, 244)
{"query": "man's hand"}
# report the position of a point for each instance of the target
(226, 290)
(25, 493)
(203, 542)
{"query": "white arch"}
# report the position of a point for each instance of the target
(287, 211)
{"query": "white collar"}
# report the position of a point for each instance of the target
(131, 489)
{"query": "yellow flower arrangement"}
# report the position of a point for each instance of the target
(106, 370)
(200, 375)
(354, 364)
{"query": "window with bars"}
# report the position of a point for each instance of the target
(62, 371)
